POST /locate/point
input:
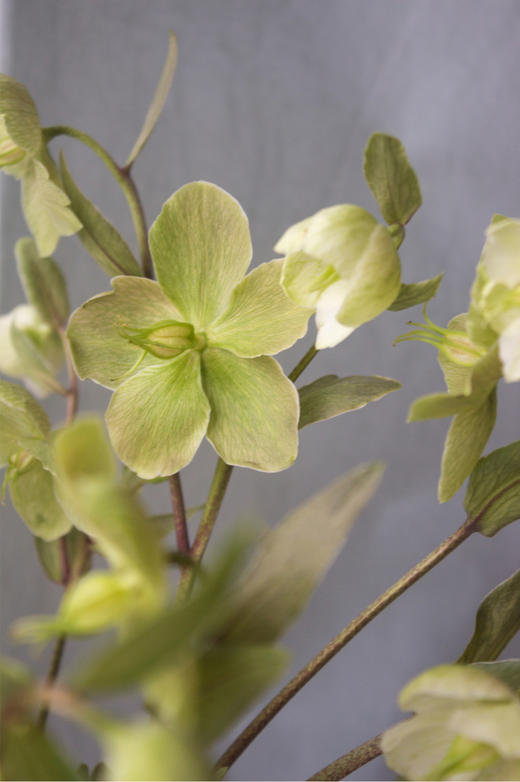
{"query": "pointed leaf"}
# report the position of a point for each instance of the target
(261, 319)
(20, 417)
(46, 209)
(416, 293)
(391, 178)
(43, 283)
(497, 622)
(254, 410)
(99, 237)
(466, 439)
(20, 114)
(439, 405)
(332, 395)
(293, 558)
(493, 493)
(32, 494)
(201, 249)
(157, 418)
(159, 99)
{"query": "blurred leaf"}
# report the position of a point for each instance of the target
(391, 178)
(49, 554)
(21, 417)
(13, 676)
(32, 494)
(43, 283)
(466, 439)
(159, 99)
(497, 622)
(332, 395)
(416, 293)
(508, 671)
(293, 558)
(493, 493)
(27, 754)
(159, 642)
(99, 237)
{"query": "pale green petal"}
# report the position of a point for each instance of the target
(99, 350)
(501, 253)
(413, 747)
(254, 410)
(305, 278)
(158, 417)
(509, 350)
(293, 239)
(447, 685)
(201, 249)
(261, 320)
(495, 724)
(20, 114)
(46, 209)
(330, 331)
(32, 494)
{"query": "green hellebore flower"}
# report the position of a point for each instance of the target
(189, 355)
(495, 295)
(466, 726)
(342, 263)
(23, 155)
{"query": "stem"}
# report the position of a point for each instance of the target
(57, 657)
(179, 514)
(353, 760)
(341, 640)
(303, 363)
(73, 390)
(124, 178)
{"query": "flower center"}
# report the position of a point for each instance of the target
(166, 339)
(452, 343)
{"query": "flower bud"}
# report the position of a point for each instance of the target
(10, 153)
(164, 340)
(20, 132)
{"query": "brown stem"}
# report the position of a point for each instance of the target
(353, 760)
(340, 641)
(57, 657)
(179, 514)
(72, 393)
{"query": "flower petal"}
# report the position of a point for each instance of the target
(330, 331)
(99, 350)
(254, 410)
(201, 249)
(509, 349)
(261, 319)
(158, 417)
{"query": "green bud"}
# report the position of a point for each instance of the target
(10, 153)
(166, 339)
(20, 132)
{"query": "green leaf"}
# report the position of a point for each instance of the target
(46, 208)
(20, 114)
(416, 293)
(466, 439)
(201, 249)
(439, 405)
(293, 558)
(493, 494)
(332, 395)
(99, 350)
(254, 410)
(159, 99)
(157, 418)
(391, 178)
(508, 671)
(50, 555)
(13, 677)
(43, 283)
(497, 622)
(158, 643)
(28, 754)
(99, 237)
(261, 319)
(32, 493)
(21, 417)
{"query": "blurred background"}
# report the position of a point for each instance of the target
(274, 100)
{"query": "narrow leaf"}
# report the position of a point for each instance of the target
(159, 99)
(332, 395)
(293, 558)
(43, 283)
(497, 622)
(467, 437)
(493, 493)
(99, 237)
(416, 293)
(508, 671)
(391, 178)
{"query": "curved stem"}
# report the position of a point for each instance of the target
(341, 640)
(351, 761)
(179, 514)
(123, 177)
(303, 363)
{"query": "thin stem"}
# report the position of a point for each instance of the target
(125, 181)
(73, 389)
(303, 363)
(351, 761)
(341, 640)
(64, 561)
(57, 657)
(179, 514)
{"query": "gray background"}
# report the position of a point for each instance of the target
(274, 101)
